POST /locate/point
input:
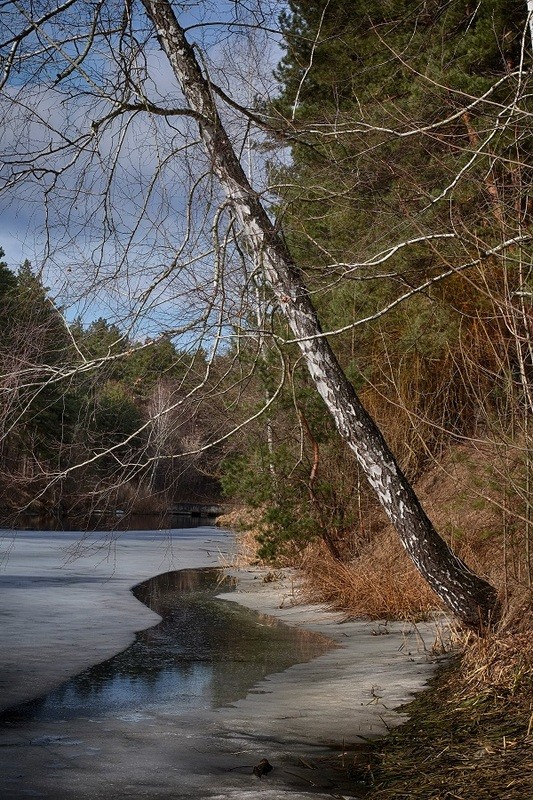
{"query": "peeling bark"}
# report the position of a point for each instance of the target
(470, 597)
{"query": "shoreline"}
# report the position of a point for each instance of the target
(64, 612)
(66, 601)
(376, 668)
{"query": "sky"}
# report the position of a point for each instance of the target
(81, 244)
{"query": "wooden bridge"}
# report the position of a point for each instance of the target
(197, 509)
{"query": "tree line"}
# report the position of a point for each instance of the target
(85, 419)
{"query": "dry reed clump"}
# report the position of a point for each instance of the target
(382, 582)
(246, 525)
(498, 664)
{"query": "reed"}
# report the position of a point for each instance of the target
(380, 583)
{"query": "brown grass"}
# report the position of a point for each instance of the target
(246, 524)
(500, 662)
(382, 582)
(470, 735)
(460, 745)
(470, 497)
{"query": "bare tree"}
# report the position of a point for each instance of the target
(469, 596)
(117, 133)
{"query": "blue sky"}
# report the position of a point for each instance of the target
(69, 238)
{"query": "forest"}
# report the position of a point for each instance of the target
(92, 442)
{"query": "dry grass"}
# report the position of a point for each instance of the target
(246, 524)
(382, 582)
(470, 734)
(459, 746)
(469, 499)
(502, 661)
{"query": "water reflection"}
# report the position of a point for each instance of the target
(205, 653)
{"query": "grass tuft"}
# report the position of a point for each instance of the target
(469, 735)
(381, 582)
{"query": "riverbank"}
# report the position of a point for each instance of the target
(469, 734)
(350, 695)
(473, 747)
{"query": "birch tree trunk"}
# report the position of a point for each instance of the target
(470, 597)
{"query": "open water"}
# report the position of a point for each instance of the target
(205, 654)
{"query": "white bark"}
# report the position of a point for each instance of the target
(469, 596)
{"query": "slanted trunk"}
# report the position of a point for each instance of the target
(470, 597)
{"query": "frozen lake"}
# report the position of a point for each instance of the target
(166, 715)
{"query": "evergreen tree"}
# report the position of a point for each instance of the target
(356, 78)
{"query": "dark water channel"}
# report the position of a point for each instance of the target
(206, 653)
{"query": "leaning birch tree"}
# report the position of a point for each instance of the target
(97, 63)
(470, 597)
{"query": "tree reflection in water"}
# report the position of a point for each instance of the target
(205, 653)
